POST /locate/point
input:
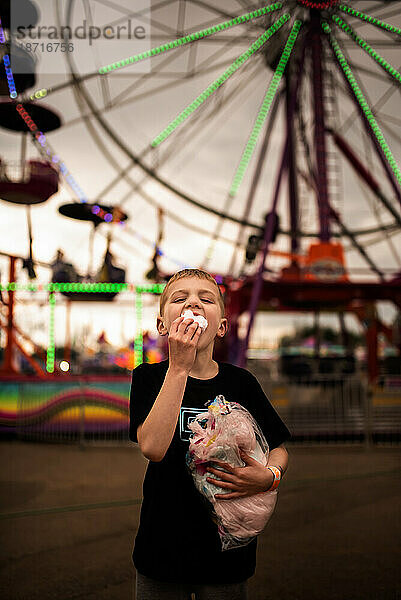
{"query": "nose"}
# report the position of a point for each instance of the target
(192, 302)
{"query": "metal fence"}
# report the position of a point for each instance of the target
(322, 410)
(338, 409)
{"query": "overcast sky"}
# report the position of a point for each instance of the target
(200, 158)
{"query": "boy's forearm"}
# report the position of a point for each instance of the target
(157, 430)
(278, 457)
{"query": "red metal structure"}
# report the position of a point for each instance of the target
(321, 282)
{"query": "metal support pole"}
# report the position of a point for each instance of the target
(51, 349)
(8, 366)
(138, 342)
(82, 418)
(372, 343)
(292, 165)
(364, 174)
(269, 231)
(319, 133)
(346, 232)
(317, 334)
(91, 241)
(233, 311)
(67, 341)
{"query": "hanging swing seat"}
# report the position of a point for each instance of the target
(64, 272)
(27, 182)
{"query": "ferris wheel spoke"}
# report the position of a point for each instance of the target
(202, 119)
(390, 130)
(342, 25)
(391, 13)
(137, 187)
(218, 11)
(176, 43)
(123, 173)
(389, 163)
(370, 19)
(380, 6)
(140, 14)
(145, 94)
(220, 80)
(174, 151)
(264, 109)
(349, 234)
(367, 71)
(192, 37)
(389, 241)
(254, 184)
(128, 151)
(391, 118)
(375, 108)
(144, 78)
(199, 70)
(243, 4)
(104, 82)
(379, 239)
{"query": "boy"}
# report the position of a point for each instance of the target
(177, 548)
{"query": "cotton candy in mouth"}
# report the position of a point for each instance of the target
(202, 322)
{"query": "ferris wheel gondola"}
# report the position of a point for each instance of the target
(27, 182)
(64, 272)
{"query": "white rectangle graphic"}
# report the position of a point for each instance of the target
(88, 33)
(186, 416)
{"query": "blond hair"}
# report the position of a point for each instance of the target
(190, 273)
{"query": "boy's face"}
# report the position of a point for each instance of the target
(200, 296)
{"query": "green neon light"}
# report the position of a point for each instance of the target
(156, 288)
(51, 350)
(264, 110)
(88, 287)
(192, 37)
(372, 20)
(365, 46)
(363, 104)
(138, 342)
(220, 80)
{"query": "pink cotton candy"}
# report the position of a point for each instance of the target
(246, 517)
(219, 435)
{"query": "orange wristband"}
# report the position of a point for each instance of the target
(276, 478)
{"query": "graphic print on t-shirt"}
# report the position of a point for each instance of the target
(186, 416)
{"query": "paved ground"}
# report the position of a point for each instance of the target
(69, 516)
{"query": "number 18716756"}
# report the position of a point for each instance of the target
(34, 47)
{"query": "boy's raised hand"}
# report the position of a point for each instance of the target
(183, 341)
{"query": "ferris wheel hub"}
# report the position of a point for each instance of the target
(322, 5)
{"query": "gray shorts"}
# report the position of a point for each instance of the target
(150, 589)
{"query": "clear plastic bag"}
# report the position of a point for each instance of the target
(219, 435)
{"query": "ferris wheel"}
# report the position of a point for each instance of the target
(237, 98)
(265, 134)
(298, 70)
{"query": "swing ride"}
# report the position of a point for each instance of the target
(297, 69)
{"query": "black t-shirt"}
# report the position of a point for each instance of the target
(177, 539)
